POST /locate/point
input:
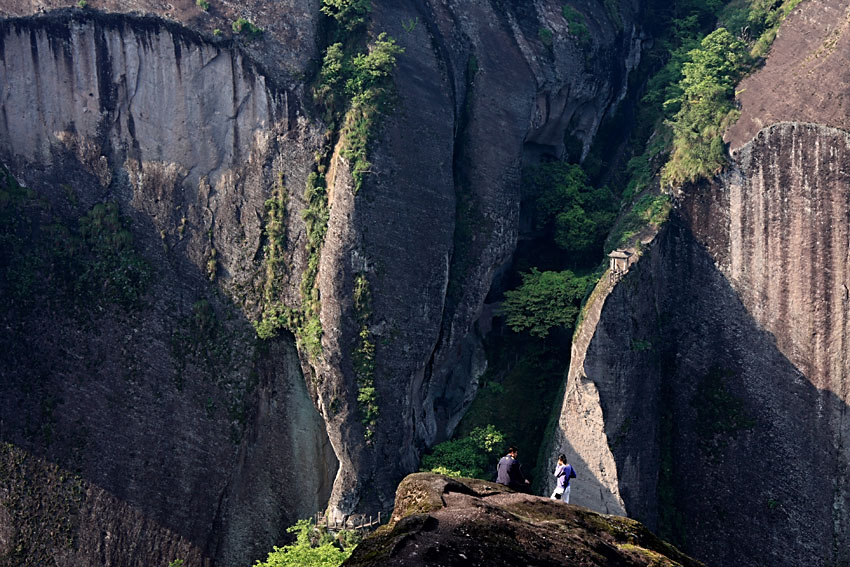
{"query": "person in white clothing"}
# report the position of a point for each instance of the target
(563, 473)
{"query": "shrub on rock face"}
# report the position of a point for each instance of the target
(708, 89)
(473, 456)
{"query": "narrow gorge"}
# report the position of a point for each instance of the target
(231, 298)
(146, 153)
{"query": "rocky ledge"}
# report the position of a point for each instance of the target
(445, 522)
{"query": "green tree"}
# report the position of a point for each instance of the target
(707, 107)
(312, 548)
(577, 214)
(544, 300)
(348, 13)
(473, 456)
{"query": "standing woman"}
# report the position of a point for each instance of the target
(563, 473)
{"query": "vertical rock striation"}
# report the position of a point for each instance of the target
(719, 364)
(193, 441)
(188, 135)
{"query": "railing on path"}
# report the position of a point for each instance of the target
(357, 523)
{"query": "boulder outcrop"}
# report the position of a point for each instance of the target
(445, 522)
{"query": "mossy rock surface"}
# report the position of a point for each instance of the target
(441, 521)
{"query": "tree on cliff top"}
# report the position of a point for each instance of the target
(707, 108)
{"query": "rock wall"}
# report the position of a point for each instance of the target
(189, 132)
(177, 420)
(719, 368)
(478, 92)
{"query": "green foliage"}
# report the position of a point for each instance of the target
(247, 28)
(577, 24)
(312, 548)
(316, 217)
(114, 271)
(90, 262)
(651, 210)
(756, 20)
(362, 84)
(705, 101)
(336, 67)
(472, 456)
(349, 14)
(707, 107)
(82, 4)
(364, 356)
(546, 36)
(176, 563)
(543, 301)
(369, 86)
(410, 24)
(305, 324)
(203, 4)
(768, 17)
(577, 214)
(275, 315)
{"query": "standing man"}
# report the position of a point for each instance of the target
(509, 472)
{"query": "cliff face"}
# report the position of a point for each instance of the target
(477, 90)
(708, 389)
(173, 414)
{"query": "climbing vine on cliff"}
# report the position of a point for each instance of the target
(275, 314)
(355, 81)
(305, 324)
(364, 356)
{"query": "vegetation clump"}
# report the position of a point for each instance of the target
(92, 261)
(349, 14)
(313, 547)
(364, 356)
(246, 28)
(473, 456)
(707, 108)
(543, 301)
(359, 82)
(567, 207)
(577, 24)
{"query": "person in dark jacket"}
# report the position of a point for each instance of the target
(509, 472)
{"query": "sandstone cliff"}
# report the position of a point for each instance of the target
(172, 412)
(708, 389)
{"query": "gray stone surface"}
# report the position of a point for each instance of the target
(188, 133)
(746, 282)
